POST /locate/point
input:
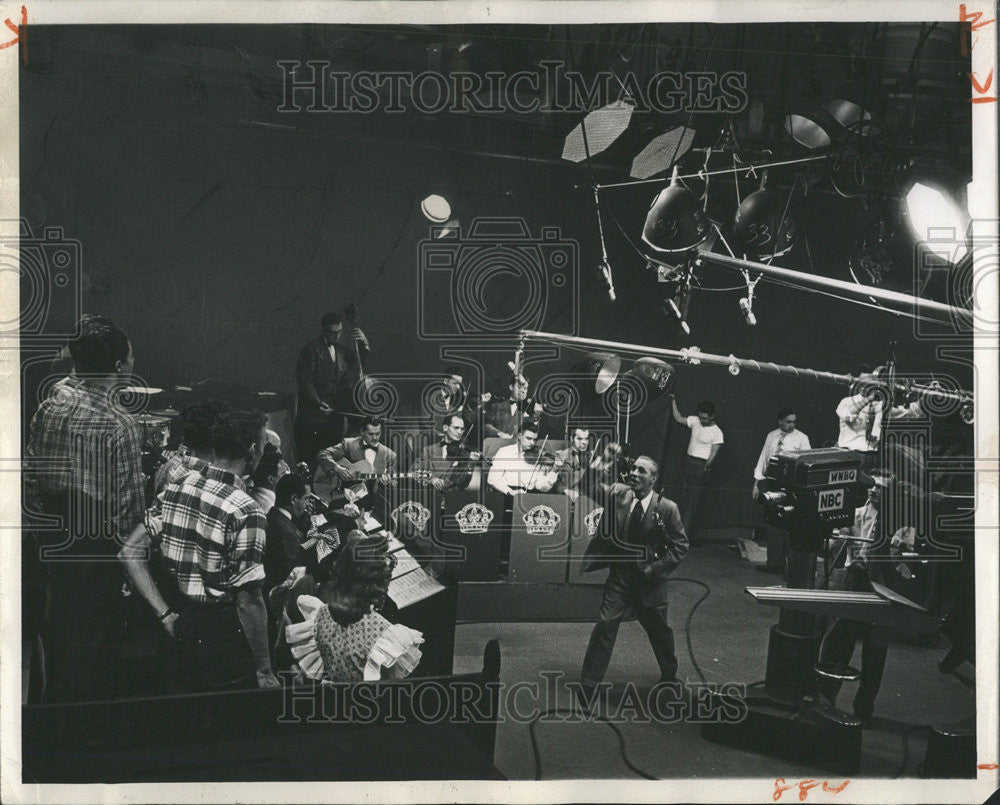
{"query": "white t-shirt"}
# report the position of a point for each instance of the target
(702, 438)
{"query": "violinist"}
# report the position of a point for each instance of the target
(520, 468)
(504, 416)
(448, 460)
(576, 459)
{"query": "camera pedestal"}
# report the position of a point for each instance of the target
(788, 718)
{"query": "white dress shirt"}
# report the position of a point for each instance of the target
(776, 443)
(854, 413)
(511, 471)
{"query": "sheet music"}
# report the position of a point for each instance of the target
(413, 587)
(405, 563)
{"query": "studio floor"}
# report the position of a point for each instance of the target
(729, 633)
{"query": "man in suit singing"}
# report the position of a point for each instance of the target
(641, 539)
(325, 372)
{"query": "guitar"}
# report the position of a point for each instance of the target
(326, 482)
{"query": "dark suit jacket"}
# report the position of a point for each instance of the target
(662, 542)
(353, 449)
(321, 380)
(282, 549)
(457, 470)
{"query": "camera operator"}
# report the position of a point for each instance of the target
(857, 574)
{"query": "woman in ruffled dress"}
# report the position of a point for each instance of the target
(340, 636)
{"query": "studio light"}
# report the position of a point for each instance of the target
(849, 107)
(937, 220)
(675, 221)
(436, 209)
(662, 152)
(809, 129)
(603, 126)
(764, 225)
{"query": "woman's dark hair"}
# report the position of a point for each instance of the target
(359, 578)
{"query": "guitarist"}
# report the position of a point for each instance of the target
(366, 447)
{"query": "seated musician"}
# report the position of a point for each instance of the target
(343, 459)
(448, 461)
(576, 459)
(504, 416)
(517, 467)
(453, 398)
(838, 645)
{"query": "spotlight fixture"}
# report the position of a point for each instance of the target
(849, 107)
(675, 221)
(597, 131)
(809, 128)
(764, 226)
(936, 219)
(435, 208)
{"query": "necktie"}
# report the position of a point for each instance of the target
(634, 528)
(781, 442)
(870, 426)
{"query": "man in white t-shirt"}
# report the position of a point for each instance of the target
(861, 418)
(706, 439)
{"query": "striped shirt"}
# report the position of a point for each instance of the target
(213, 535)
(82, 440)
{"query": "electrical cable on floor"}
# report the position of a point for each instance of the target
(622, 747)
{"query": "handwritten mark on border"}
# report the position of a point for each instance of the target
(21, 34)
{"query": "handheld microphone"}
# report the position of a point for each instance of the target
(605, 269)
(747, 311)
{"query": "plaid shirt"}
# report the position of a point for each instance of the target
(175, 468)
(82, 440)
(213, 535)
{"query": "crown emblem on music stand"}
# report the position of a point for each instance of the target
(541, 520)
(473, 518)
(416, 513)
(593, 520)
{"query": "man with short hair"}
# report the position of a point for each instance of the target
(782, 439)
(195, 449)
(504, 417)
(83, 466)
(576, 461)
(641, 539)
(325, 373)
(865, 538)
(284, 549)
(703, 447)
(367, 446)
(212, 548)
(515, 470)
(448, 461)
(269, 470)
(861, 417)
